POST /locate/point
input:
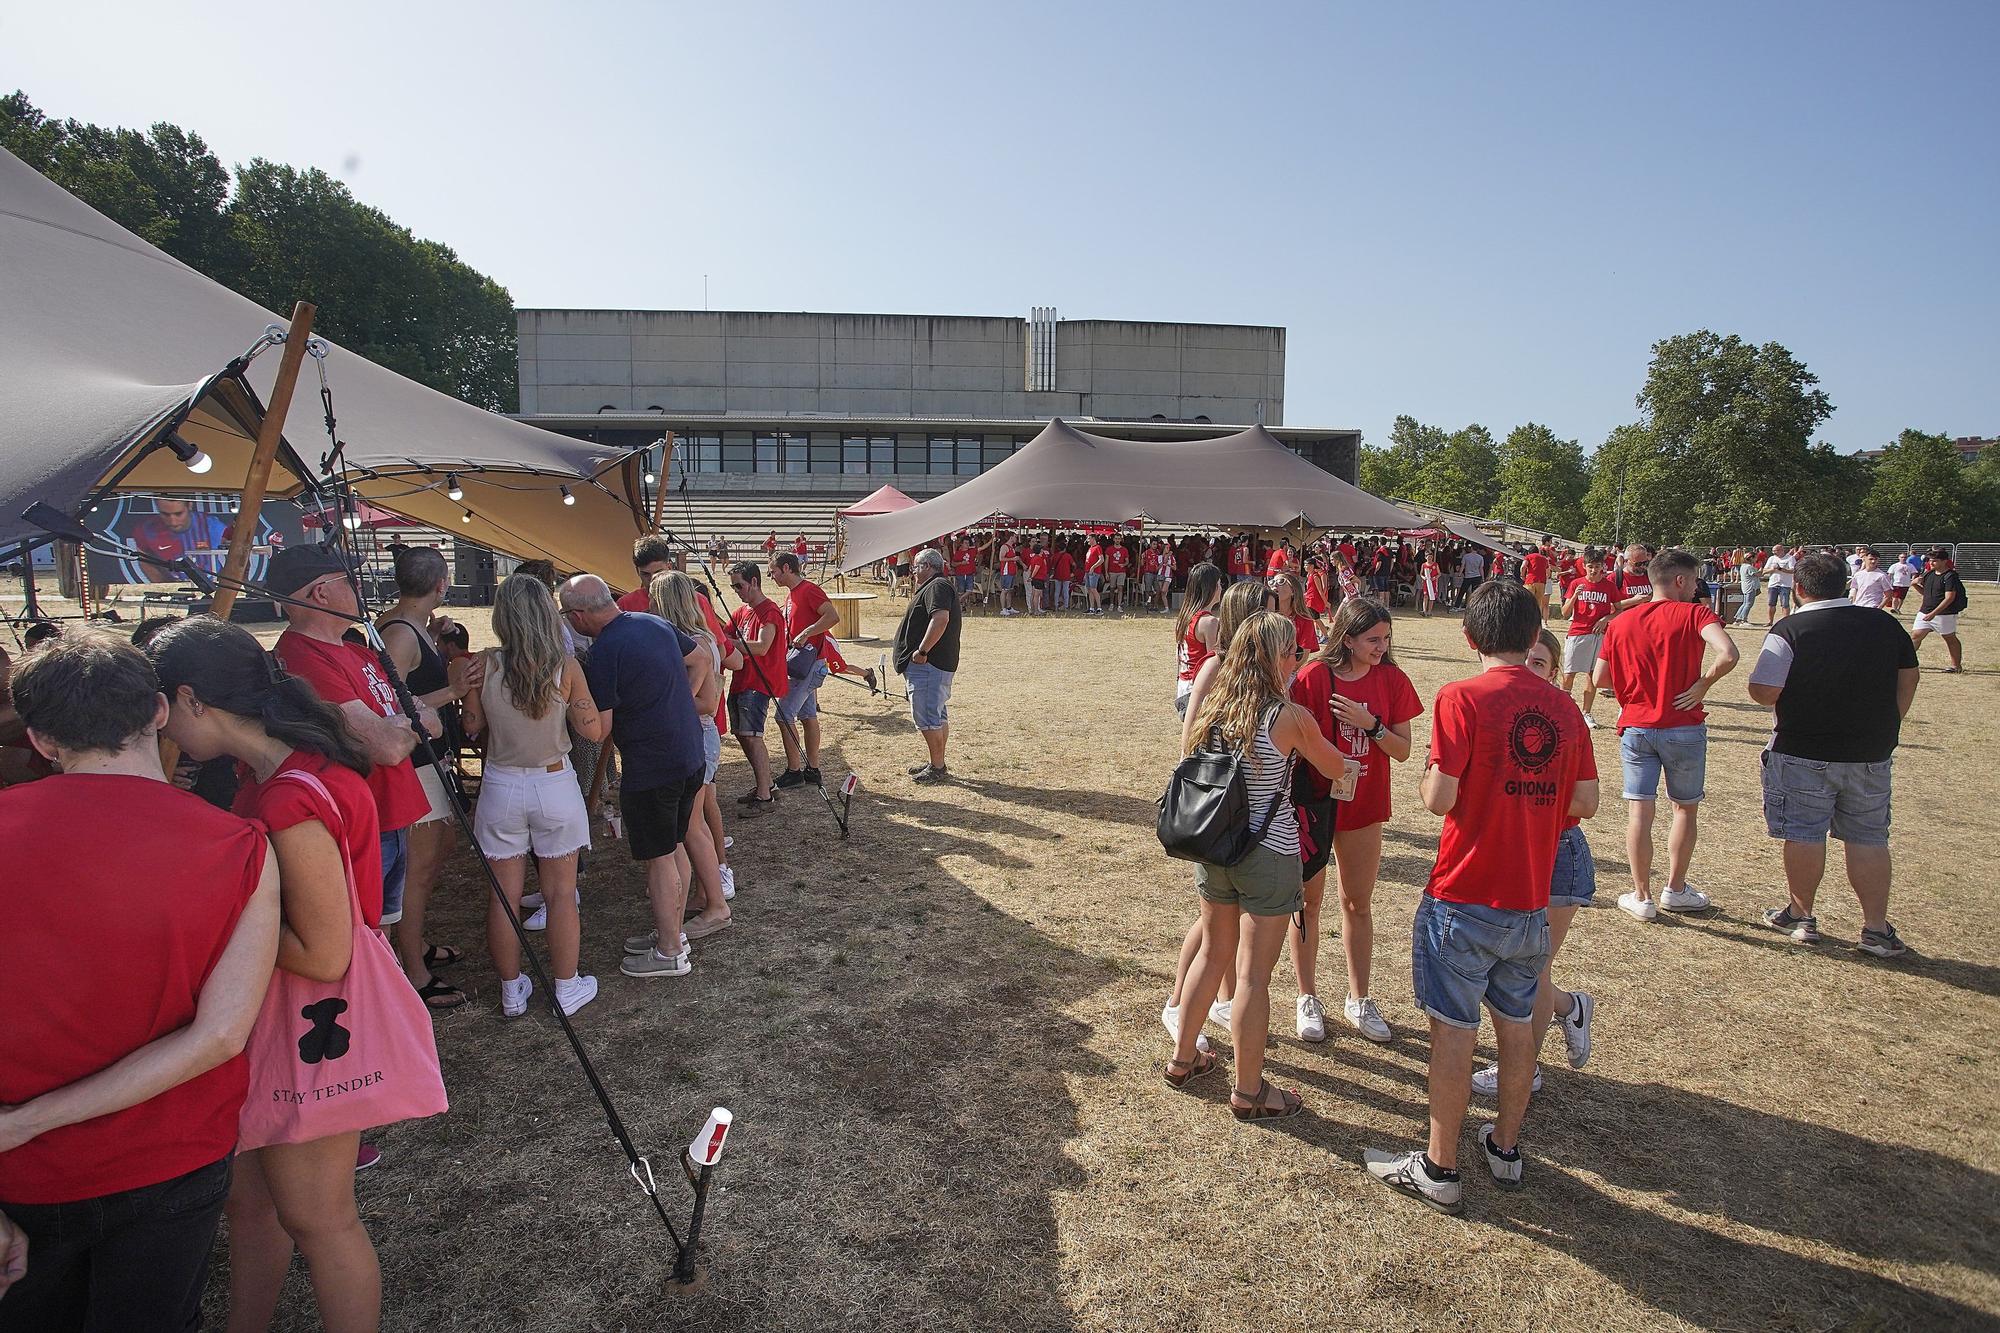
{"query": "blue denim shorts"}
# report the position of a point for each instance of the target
(1780, 597)
(1574, 883)
(395, 867)
(930, 692)
(747, 712)
(1681, 752)
(801, 698)
(711, 749)
(964, 582)
(1462, 953)
(1804, 798)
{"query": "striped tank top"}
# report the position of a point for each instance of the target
(1265, 776)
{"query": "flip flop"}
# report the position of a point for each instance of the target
(439, 995)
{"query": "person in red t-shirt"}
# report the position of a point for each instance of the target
(1633, 578)
(1239, 560)
(1152, 586)
(351, 678)
(1009, 569)
(226, 701)
(771, 544)
(1117, 564)
(1510, 761)
(800, 547)
(809, 617)
(123, 1083)
(758, 631)
(1588, 602)
(1535, 576)
(1093, 576)
(1363, 703)
(1038, 578)
(1280, 561)
(1651, 661)
(1283, 594)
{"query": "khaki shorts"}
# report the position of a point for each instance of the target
(1264, 883)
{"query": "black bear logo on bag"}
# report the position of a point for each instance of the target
(326, 1039)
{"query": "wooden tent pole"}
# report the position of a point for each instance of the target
(243, 535)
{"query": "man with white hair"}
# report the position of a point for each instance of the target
(927, 656)
(638, 676)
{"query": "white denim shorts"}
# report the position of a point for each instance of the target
(524, 810)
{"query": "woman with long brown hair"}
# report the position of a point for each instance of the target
(1363, 703)
(1285, 594)
(1195, 629)
(1246, 907)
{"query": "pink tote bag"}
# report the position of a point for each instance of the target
(331, 1057)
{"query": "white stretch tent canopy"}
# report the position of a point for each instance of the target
(1248, 480)
(105, 340)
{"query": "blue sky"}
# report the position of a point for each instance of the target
(1463, 212)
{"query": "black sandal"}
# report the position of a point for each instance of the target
(1204, 1062)
(440, 955)
(438, 989)
(1289, 1103)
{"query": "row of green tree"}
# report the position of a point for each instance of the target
(1722, 454)
(282, 235)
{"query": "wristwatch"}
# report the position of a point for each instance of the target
(1374, 733)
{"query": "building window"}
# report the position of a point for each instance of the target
(767, 453)
(998, 448)
(942, 453)
(825, 454)
(911, 456)
(854, 454)
(736, 452)
(794, 449)
(968, 458)
(882, 455)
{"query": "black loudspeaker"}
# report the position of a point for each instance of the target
(474, 572)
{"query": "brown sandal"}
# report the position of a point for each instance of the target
(1203, 1063)
(1289, 1103)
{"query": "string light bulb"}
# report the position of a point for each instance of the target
(195, 460)
(652, 479)
(466, 517)
(452, 489)
(568, 499)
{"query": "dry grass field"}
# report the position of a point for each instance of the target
(941, 1041)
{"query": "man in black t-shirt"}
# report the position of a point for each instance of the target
(1841, 678)
(1943, 593)
(926, 654)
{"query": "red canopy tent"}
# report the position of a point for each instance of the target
(884, 500)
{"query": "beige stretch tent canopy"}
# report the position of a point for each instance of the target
(1248, 480)
(105, 341)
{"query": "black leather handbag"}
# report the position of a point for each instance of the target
(1205, 810)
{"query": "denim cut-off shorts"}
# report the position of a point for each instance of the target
(1463, 953)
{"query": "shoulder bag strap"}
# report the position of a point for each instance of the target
(312, 782)
(1284, 787)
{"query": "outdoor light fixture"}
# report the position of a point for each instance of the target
(350, 517)
(568, 499)
(197, 462)
(652, 479)
(451, 487)
(466, 517)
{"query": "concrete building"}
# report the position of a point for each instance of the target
(779, 419)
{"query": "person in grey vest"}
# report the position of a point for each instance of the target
(1841, 678)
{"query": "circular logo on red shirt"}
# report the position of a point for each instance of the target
(1533, 740)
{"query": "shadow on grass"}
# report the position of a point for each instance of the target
(1779, 1175)
(1980, 978)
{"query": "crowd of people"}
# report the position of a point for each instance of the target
(266, 900)
(285, 866)
(1319, 714)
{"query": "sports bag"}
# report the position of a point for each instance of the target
(329, 1057)
(1205, 810)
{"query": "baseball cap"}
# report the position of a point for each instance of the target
(294, 567)
(1941, 553)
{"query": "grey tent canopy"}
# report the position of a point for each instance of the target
(1246, 480)
(108, 344)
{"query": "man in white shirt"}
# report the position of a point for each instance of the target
(1868, 584)
(1778, 572)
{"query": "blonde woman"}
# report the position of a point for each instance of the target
(1239, 602)
(1246, 908)
(1286, 595)
(673, 597)
(529, 801)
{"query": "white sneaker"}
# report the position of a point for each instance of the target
(1684, 899)
(536, 920)
(1643, 908)
(1218, 1013)
(1506, 1173)
(1404, 1172)
(531, 901)
(728, 883)
(1576, 1028)
(514, 995)
(1487, 1081)
(727, 842)
(1170, 1018)
(572, 993)
(1312, 1019)
(1367, 1018)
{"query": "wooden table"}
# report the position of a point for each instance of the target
(849, 606)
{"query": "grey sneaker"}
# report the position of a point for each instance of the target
(1486, 1082)
(642, 943)
(929, 774)
(653, 963)
(1802, 929)
(1404, 1173)
(915, 769)
(1506, 1172)
(1883, 943)
(1576, 1029)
